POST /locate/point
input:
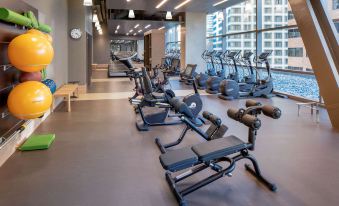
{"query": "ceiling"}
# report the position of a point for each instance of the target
(149, 5)
(127, 25)
(146, 13)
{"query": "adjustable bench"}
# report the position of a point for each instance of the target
(209, 154)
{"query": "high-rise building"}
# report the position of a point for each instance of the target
(240, 24)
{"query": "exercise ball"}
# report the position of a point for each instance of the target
(30, 52)
(50, 84)
(49, 38)
(44, 35)
(30, 76)
(29, 100)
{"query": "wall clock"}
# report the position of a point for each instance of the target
(76, 33)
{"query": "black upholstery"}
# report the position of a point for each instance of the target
(218, 148)
(178, 159)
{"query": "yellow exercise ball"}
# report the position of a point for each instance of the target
(49, 38)
(30, 52)
(44, 35)
(29, 100)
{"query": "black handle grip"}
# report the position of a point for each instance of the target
(251, 121)
(271, 111)
(252, 103)
(212, 118)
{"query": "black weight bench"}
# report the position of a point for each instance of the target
(209, 154)
(184, 158)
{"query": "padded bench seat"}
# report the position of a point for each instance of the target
(180, 159)
(217, 148)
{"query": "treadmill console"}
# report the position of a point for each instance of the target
(264, 55)
(233, 54)
(247, 55)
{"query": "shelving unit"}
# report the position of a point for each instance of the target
(154, 47)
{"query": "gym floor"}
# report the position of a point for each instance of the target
(99, 157)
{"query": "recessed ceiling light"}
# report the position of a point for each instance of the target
(220, 2)
(128, 0)
(168, 15)
(127, 34)
(116, 31)
(131, 14)
(147, 26)
(136, 26)
(130, 31)
(88, 3)
(139, 31)
(161, 28)
(160, 4)
(182, 4)
(118, 27)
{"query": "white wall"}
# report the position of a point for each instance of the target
(195, 41)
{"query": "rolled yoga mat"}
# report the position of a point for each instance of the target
(13, 17)
(45, 28)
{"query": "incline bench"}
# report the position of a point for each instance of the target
(66, 91)
(209, 154)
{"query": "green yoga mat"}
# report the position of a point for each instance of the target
(38, 142)
(45, 28)
(13, 17)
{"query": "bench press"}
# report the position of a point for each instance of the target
(209, 154)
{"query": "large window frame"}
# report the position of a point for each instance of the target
(259, 32)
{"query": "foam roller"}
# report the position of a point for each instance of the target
(252, 103)
(251, 121)
(270, 111)
(212, 118)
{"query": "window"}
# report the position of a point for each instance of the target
(268, 44)
(290, 15)
(278, 18)
(268, 35)
(293, 33)
(335, 4)
(278, 61)
(278, 53)
(268, 10)
(278, 35)
(278, 44)
(295, 68)
(295, 52)
(247, 44)
(268, 2)
(337, 26)
(268, 18)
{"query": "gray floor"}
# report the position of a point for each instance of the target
(99, 158)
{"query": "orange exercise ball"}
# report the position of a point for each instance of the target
(29, 100)
(30, 52)
(44, 35)
(49, 38)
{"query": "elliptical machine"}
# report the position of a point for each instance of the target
(201, 79)
(212, 83)
(230, 89)
(250, 78)
(231, 58)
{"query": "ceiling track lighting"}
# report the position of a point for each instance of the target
(136, 26)
(169, 15)
(134, 34)
(220, 2)
(161, 28)
(182, 4)
(131, 14)
(139, 31)
(161, 3)
(88, 3)
(118, 27)
(147, 26)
